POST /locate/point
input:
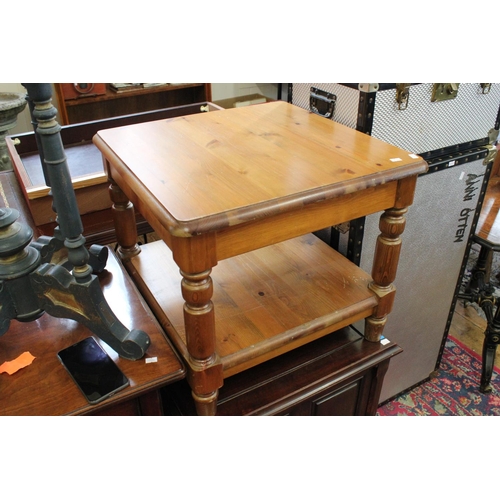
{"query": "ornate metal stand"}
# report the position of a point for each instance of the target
(11, 104)
(29, 284)
(480, 291)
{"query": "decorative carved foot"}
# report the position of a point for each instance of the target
(98, 257)
(47, 246)
(29, 284)
(60, 295)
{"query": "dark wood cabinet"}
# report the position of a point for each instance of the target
(111, 104)
(44, 387)
(338, 375)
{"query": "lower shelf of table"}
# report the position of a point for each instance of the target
(337, 375)
(266, 302)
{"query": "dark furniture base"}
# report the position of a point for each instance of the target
(338, 375)
(44, 387)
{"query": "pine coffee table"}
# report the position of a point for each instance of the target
(234, 197)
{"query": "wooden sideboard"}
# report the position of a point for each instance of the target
(87, 173)
(44, 387)
(110, 104)
(234, 197)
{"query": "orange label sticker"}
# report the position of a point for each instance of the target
(10, 367)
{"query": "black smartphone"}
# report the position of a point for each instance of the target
(93, 371)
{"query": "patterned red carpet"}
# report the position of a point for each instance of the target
(454, 392)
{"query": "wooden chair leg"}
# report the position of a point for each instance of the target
(481, 273)
(491, 340)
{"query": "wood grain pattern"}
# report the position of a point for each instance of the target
(44, 387)
(231, 194)
(266, 302)
(219, 169)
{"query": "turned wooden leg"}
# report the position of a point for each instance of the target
(124, 219)
(205, 371)
(480, 275)
(385, 264)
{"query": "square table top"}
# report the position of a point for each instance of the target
(211, 170)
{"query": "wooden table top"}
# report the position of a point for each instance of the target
(213, 170)
(234, 195)
(45, 388)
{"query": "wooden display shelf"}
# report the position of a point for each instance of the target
(268, 302)
(89, 179)
(113, 104)
(111, 94)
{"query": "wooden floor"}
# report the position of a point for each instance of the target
(468, 325)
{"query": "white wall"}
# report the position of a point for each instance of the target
(227, 90)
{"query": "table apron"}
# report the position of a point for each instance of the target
(252, 235)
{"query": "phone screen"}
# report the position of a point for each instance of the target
(93, 371)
